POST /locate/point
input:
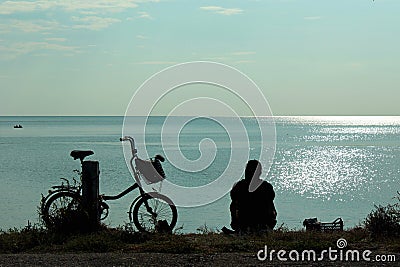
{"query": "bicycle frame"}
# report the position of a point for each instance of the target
(137, 184)
(134, 156)
(135, 173)
(125, 192)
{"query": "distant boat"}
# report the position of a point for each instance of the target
(18, 126)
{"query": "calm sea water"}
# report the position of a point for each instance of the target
(325, 167)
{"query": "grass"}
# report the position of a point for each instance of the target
(34, 239)
(379, 232)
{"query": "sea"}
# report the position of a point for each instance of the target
(323, 166)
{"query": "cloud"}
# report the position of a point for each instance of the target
(28, 26)
(31, 26)
(85, 14)
(10, 7)
(244, 61)
(144, 15)
(222, 10)
(21, 48)
(141, 37)
(217, 58)
(156, 62)
(93, 22)
(243, 53)
(56, 39)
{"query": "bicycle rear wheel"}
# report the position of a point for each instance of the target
(160, 215)
(61, 208)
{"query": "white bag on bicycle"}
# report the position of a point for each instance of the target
(152, 171)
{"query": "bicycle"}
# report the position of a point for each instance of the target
(150, 212)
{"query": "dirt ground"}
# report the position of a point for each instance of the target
(161, 259)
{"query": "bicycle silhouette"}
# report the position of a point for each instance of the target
(150, 212)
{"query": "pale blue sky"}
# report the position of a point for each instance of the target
(326, 57)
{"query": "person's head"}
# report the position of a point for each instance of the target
(253, 169)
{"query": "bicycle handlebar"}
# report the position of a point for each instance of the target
(125, 138)
(134, 150)
(132, 142)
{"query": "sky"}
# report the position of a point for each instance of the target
(308, 57)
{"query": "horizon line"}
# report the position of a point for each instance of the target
(245, 116)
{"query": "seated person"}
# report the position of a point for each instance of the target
(252, 210)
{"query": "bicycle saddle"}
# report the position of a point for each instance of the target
(81, 154)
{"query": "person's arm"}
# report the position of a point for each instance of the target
(234, 192)
(271, 192)
(234, 208)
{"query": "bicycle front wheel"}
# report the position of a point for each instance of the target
(154, 213)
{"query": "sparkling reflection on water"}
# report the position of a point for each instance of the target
(324, 172)
(342, 165)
